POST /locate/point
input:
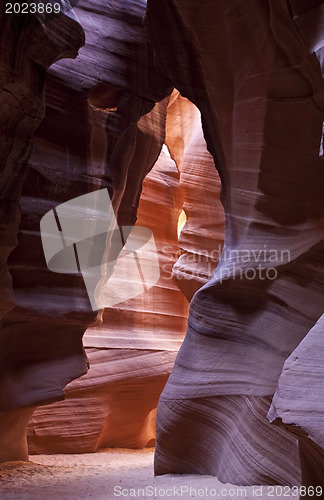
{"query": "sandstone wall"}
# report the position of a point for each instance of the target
(28, 46)
(260, 94)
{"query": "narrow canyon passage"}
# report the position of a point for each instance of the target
(161, 246)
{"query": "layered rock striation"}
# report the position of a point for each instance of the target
(133, 344)
(297, 403)
(83, 144)
(202, 222)
(29, 45)
(260, 93)
(250, 333)
(131, 349)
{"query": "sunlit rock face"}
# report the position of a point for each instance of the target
(133, 345)
(202, 221)
(250, 340)
(131, 350)
(90, 139)
(260, 93)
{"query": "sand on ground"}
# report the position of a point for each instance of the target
(113, 474)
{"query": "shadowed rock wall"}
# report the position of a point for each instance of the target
(27, 49)
(301, 412)
(131, 350)
(260, 94)
(83, 144)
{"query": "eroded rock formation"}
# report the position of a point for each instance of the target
(27, 49)
(302, 412)
(298, 402)
(260, 94)
(131, 352)
(202, 234)
(78, 148)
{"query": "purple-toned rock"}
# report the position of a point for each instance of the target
(89, 140)
(260, 93)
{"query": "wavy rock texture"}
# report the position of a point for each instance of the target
(202, 235)
(302, 413)
(27, 48)
(131, 352)
(83, 144)
(143, 335)
(299, 402)
(112, 408)
(260, 94)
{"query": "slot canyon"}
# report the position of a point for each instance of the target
(162, 249)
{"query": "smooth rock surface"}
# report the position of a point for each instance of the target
(202, 234)
(260, 94)
(131, 350)
(27, 48)
(93, 136)
(299, 402)
(78, 149)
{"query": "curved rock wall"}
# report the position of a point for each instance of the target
(133, 345)
(298, 402)
(261, 98)
(28, 46)
(202, 235)
(260, 93)
(83, 144)
(302, 413)
(131, 350)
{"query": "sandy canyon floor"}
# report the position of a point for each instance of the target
(113, 474)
